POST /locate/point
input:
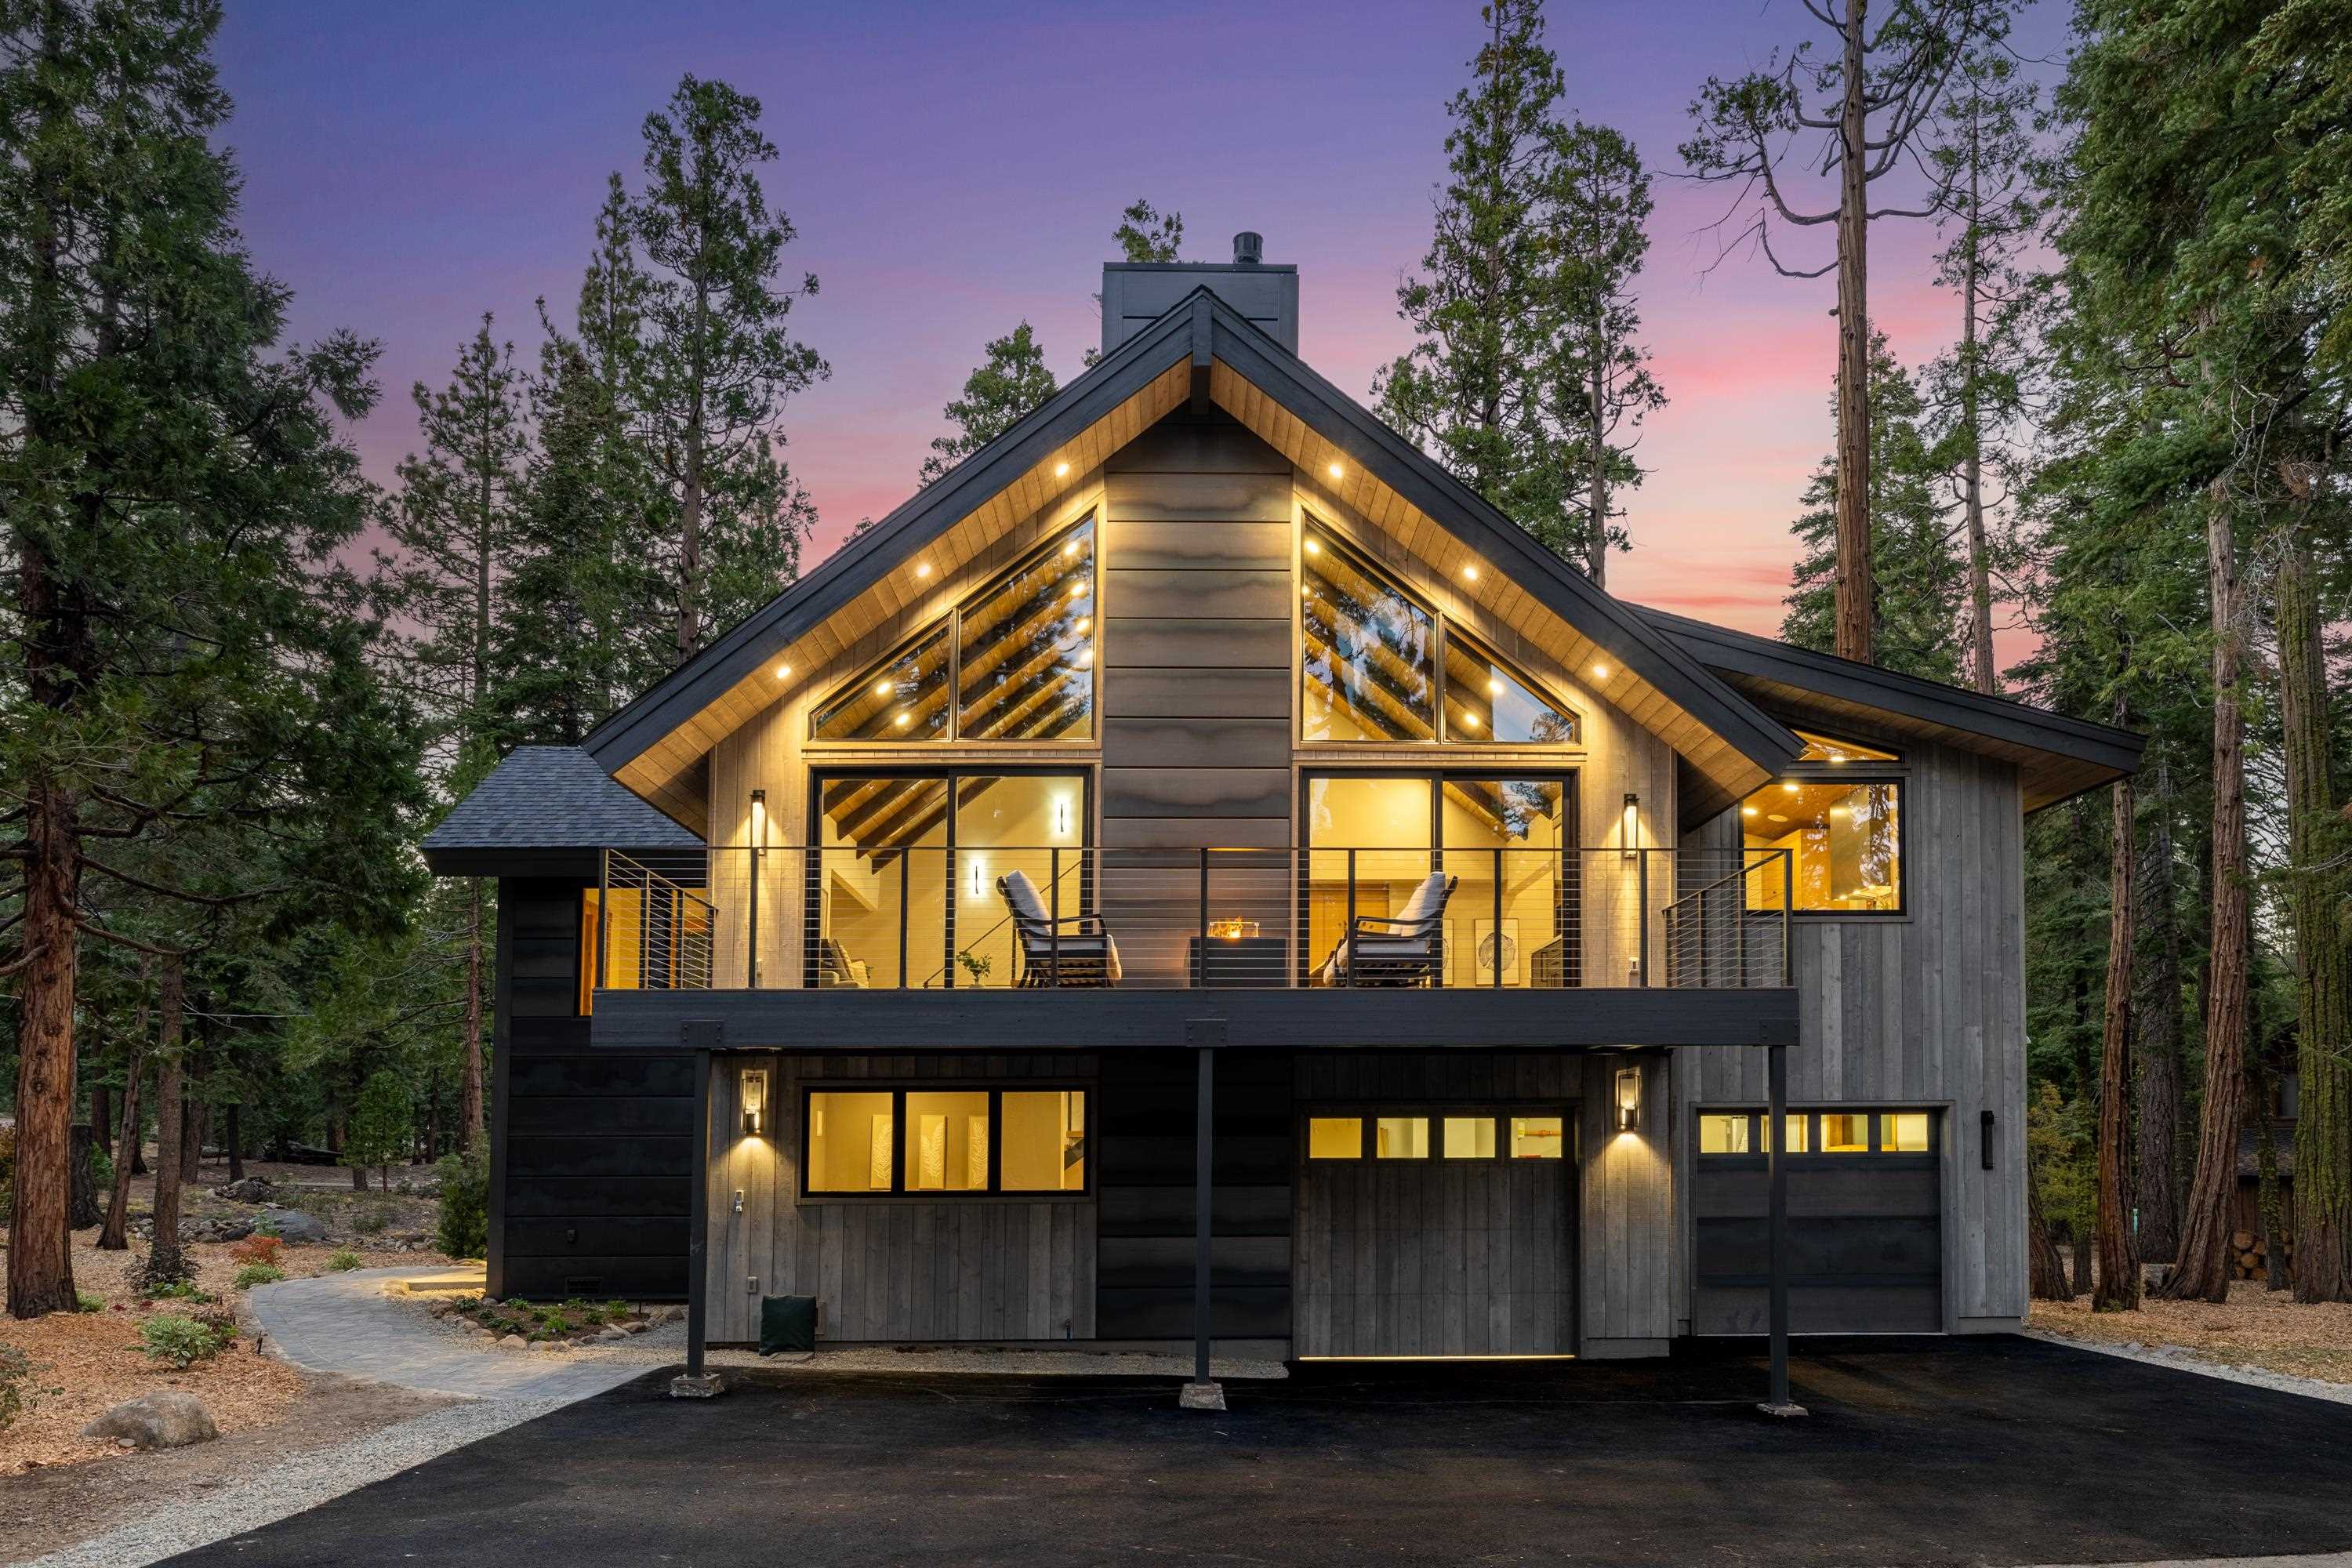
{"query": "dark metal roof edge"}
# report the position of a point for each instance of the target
(690, 687)
(1641, 647)
(1996, 718)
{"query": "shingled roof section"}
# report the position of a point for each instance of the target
(547, 798)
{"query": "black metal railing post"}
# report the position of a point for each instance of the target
(1642, 913)
(1053, 908)
(906, 892)
(1201, 963)
(752, 917)
(1347, 936)
(1788, 902)
(1498, 924)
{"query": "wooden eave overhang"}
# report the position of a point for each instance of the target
(2057, 757)
(1205, 352)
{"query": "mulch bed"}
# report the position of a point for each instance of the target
(2258, 1327)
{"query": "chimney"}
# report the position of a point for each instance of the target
(1136, 293)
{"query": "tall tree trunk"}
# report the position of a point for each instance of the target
(1596, 547)
(469, 1094)
(82, 1211)
(2045, 1271)
(101, 1119)
(2157, 1062)
(192, 1141)
(2316, 844)
(165, 1262)
(689, 542)
(2268, 1218)
(2203, 1272)
(236, 1154)
(1857, 609)
(2118, 1284)
(115, 1235)
(1987, 678)
(2079, 1241)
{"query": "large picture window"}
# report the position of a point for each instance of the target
(918, 1141)
(1841, 838)
(1018, 656)
(1371, 668)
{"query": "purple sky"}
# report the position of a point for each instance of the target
(953, 168)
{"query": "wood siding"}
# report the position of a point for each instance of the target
(978, 1268)
(1926, 1008)
(591, 1149)
(1197, 605)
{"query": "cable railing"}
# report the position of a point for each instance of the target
(932, 917)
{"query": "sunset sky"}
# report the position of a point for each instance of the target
(954, 169)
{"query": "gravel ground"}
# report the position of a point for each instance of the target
(299, 1483)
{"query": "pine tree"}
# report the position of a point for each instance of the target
(708, 377)
(184, 659)
(1147, 234)
(384, 1125)
(1874, 99)
(1594, 223)
(1476, 390)
(1920, 583)
(1010, 381)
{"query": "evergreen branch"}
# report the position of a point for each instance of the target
(212, 900)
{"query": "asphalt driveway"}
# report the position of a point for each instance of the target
(1994, 1451)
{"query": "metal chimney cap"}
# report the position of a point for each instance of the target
(1249, 248)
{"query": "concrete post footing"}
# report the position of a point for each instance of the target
(1201, 1396)
(1783, 1412)
(710, 1385)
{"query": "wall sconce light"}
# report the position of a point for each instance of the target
(1631, 835)
(754, 1096)
(975, 875)
(1629, 1099)
(1061, 818)
(1984, 1139)
(759, 819)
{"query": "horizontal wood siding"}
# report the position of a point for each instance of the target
(1149, 1108)
(893, 1269)
(1926, 1008)
(592, 1151)
(1197, 592)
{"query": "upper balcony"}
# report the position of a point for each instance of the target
(1479, 946)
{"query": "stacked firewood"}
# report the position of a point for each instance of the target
(2249, 1254)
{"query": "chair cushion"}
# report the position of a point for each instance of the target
(1426, 900)
(1021, 895)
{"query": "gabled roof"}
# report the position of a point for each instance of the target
(1205, 350)
(2057, 757)
(538, 808)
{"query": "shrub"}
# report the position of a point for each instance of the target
(266, 1225)
(261, 1248)
(372, 1223)
(182, 1341)
(342, 1262)
(101, 1167)
(180, 1290)
(254, 1274)
(463, 1228)
(86, 1302)
(15, 1368)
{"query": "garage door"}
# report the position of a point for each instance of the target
(1865, 1243)
(1436, 1231)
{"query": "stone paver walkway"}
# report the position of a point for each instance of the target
(342, 1322)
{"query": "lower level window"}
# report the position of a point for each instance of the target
(1821, 1132)
(1440, 1134)
(1538, 1138)
(919, 1140)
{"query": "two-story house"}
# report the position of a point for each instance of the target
(1198, 791)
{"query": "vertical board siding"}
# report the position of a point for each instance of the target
(1928, 1008)
(980, 1267)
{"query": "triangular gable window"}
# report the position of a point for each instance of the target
(1371, 668)
(1022, 655)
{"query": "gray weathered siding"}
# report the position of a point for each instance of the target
(967, 1268)
(1925, 1009)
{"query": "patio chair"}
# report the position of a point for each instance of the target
(1402, 949)
(1083, 954)
(835, 968)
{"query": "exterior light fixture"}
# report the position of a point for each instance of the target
(1061, 818)
(1629, 1099)
(1071, 548)
(904, 719)
(1789, 787)
(784, 672)
(1469, 719)
(922, 568)
(1061, 470)
(883, 688)
(1335, 471)
(975, 875)
(1085, 622)
(1599, 672)
(1493, 687)
(1631, 835)
(752, 1090)
(1312, 548)
(1746, 811)
(1469, 574)
(759, 819)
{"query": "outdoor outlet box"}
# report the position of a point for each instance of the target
(739, 1200)
(752, 1284)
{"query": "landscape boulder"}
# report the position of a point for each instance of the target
(252, 1190)
(166, 1419)
(294, 1227)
